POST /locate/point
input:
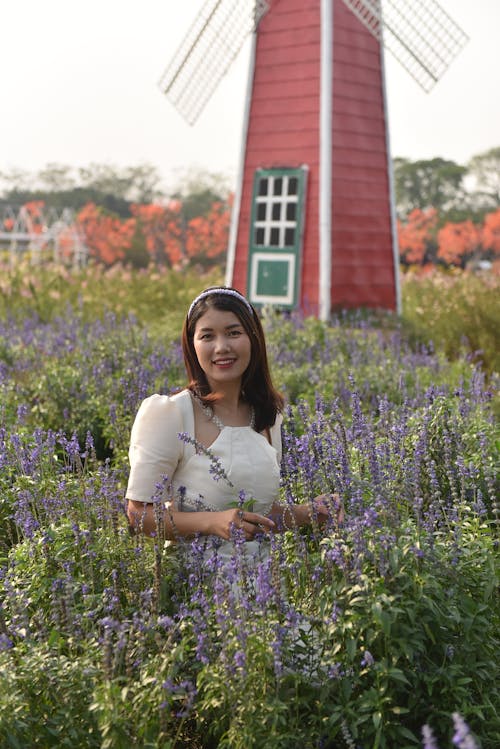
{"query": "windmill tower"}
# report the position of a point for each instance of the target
(313, 223)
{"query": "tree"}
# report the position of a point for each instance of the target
(56, 177)
(145, 184)
(208, 235)
(16, 179)
(191, 228)
(457, 243)
(491, 232)
(76, 198)
(435, 183)
(202, 197)
(416, 237)
(199, 190)
(485, 169)
(136, 254)
(160, 225)
(136, 184)
(106, 235)
(103, 184)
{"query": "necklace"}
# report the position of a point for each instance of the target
(209, 413)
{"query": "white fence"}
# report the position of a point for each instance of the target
(42, 234)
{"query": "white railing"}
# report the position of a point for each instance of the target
(42, 234)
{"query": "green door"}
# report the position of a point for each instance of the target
(276, 230)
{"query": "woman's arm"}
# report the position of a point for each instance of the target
(143, 518)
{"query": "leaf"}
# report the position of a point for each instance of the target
(54, 638)
(396, 673)
(351, 647)
(408, 734)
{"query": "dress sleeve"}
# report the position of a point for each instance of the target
(276, 436)
(155, 448)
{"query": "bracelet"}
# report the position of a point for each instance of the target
(286, 509)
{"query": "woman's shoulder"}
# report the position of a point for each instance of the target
(162, 401)
(160, 406)
(181, 397)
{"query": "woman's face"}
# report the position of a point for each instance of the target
(222, 346)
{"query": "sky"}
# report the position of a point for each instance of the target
(79, 85)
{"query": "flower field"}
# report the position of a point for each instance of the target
(381, 633)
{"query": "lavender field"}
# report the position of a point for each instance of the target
(383, 632)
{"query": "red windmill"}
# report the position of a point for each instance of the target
(313, 220)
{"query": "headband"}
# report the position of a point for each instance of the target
(220, 290)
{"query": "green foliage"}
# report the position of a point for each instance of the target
(406, 646)
(45, 697)
(137, 254)
(109, 186)
(112, 188)
(199, 189)
(157, 297)
(485, 168)
(456, 313)
(426, 624)
(379, 626)
(75, 199)
(82, 389)
(457, 192)
(435, 183)
(375, 358)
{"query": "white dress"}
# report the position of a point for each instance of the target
(165, 467)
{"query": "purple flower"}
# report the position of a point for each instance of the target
(367, 659)
(5, 643)
(240, 659)
(428, 737)
(462, 737)
(335, 671)
(216, 469)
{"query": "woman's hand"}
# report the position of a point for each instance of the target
(322, 507)
(328, 505)
(225, 522)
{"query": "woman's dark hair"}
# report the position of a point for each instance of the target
(257, 387)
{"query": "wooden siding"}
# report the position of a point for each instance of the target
(362, 254)
(284, 132)
(284, 121)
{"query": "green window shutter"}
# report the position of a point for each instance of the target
(276, 230)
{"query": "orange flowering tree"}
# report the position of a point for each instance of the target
(162, 232)
(491, 232)
(422, 241)
(416, 236)
(207, 236)
(161, 227)
(457, 243)
(107, 236)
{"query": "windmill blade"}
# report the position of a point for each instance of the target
(207, 51)
(419, 33)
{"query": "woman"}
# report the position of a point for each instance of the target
(227, 421)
